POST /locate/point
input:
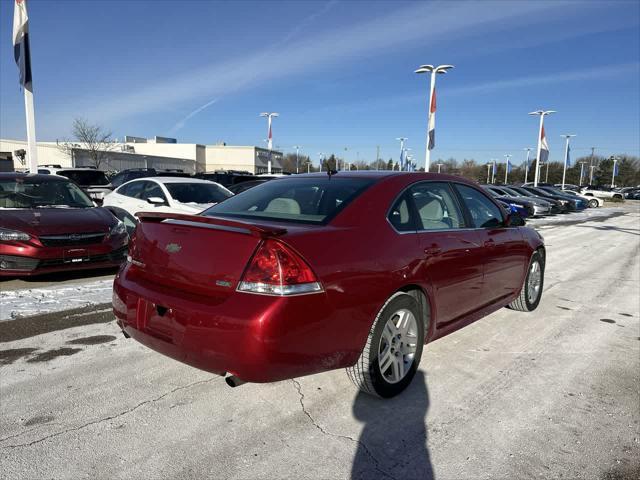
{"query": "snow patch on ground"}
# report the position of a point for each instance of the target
(34, 301)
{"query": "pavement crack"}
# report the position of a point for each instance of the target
(375, 461)
(110, 417)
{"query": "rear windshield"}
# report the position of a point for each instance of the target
(197, 192)
(85, 177)
(32, 193)
(304, 200)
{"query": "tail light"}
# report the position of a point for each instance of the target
(275, 269)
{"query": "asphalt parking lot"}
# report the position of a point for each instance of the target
(550, 394)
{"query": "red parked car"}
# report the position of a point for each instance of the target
(48, 224)
(310, 273)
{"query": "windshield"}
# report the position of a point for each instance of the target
(197, 192)
(304, 200)
(85, 177)
(31, 193)
(512, 192)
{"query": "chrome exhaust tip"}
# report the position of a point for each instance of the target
(234, 381)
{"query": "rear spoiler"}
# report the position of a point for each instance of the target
(216, 223)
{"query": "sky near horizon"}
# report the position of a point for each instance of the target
(340, 73)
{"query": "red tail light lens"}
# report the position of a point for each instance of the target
(275, 269)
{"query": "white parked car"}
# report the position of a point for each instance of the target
(592, 192)
(594, 201)
(166, 194)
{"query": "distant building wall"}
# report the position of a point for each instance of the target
(118, 161)
(251, 159)
(48, 153)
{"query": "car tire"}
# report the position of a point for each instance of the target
(617, 195)
(395, 340)
(593, 203)
(531, 291)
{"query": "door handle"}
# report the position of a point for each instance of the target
(490, 243)
(433, 250)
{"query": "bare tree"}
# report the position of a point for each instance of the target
(94, 139)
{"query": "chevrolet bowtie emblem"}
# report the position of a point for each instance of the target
(173, 247)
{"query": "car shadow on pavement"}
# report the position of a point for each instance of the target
(393, 442)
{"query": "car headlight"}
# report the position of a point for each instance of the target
(517, 205)
(118, 229)
(7, 235)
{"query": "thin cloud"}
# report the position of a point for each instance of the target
(528, 81)
(427, 22)
(181, 123)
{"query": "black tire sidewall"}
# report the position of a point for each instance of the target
(532, 306)
(380, 385)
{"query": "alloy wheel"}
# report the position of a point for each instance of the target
(534, 281)
(398, 344)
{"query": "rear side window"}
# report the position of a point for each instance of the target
(133, 190)
(436, 206)
(306, 200)
(153, 190)
(400, 215)
(484, 212)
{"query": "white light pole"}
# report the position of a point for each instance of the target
(506, 168)
(493, 170)
(526, 170)
(431, 118)
(321, 155)
(613, 174)
(269, 116)
(542, 114)
(582, 164)
(488, 172)
(566, 158)
(439, 165)
(402, 140)
(297, 156)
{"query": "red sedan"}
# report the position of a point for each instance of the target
(314, 272)
(48, 224)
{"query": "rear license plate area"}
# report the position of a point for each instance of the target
(75, 255)
(160, 321)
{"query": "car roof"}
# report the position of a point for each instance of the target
(173, 180)
(33, 176)
(382, 174)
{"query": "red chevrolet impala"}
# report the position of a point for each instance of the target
(314, 272)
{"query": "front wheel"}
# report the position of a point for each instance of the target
(531, 291)
(392, 353)
(593, 203)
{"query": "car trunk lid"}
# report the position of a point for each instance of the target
(197, 254)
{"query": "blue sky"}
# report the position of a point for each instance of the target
(340, 73)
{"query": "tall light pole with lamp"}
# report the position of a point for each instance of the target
(431, 123)
(542, 114)
(439, 165)
(582, 164)
(297, 157)
(402, 140)
(507, 167)
(615, 171)
(269, 116)
(566, 159)
(526, 165)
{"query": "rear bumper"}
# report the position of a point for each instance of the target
(258, 338)
(28, 260)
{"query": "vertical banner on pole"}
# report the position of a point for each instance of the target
(22, 55)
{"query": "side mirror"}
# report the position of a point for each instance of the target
(514, 220)
(157, 201)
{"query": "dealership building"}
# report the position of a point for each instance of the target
(161, 153)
